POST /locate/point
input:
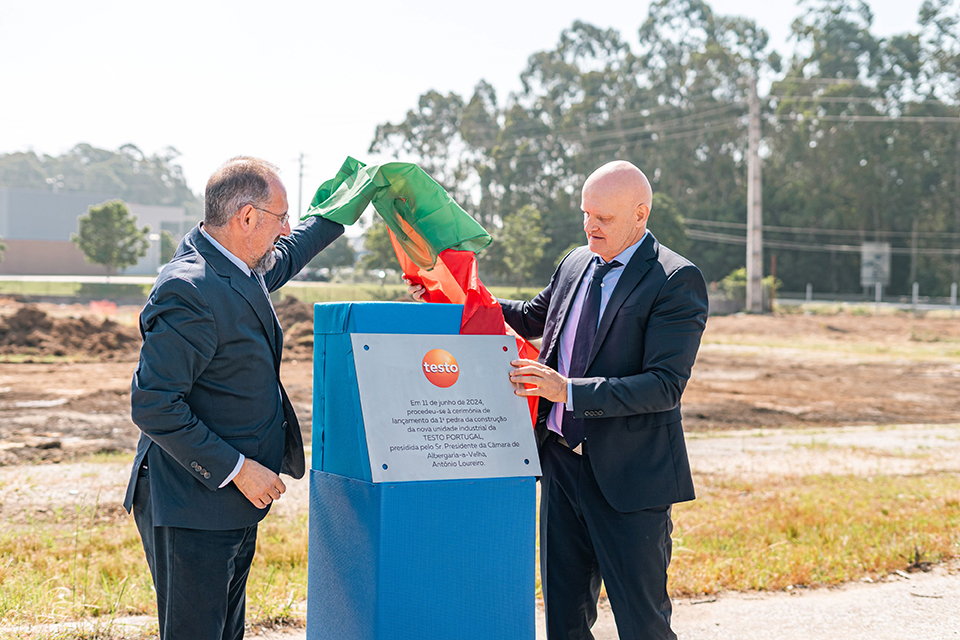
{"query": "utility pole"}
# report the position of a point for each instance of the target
(754, 208)
(300, 194)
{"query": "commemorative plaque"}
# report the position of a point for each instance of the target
(440, 407)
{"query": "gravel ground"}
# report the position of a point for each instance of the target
(917, 606)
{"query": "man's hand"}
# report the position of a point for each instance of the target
(416, 291)
(260, 485)
(547, 383)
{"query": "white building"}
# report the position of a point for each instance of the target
(36, 225)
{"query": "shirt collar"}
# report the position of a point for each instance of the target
(624, 256)
(222, 249)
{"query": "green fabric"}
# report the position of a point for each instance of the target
(400, 191)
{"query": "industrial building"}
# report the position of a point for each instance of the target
(36, 225)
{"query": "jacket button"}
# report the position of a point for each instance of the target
(206, 474)
(285, 425)
(194, 464)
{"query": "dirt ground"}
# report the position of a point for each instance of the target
(769, 395)
(752, 372)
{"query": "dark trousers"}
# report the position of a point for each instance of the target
(583, 538)
(200, 576)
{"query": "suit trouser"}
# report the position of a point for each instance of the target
(200, 576)
(583, 538)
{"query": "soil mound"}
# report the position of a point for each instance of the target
(296, 318)
(30, 331)
(290, 311)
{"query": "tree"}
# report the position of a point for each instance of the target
(108, 235)
(127, 173)
(666, 223)
(523, 241)
(860, 141)
(168, 246)
(379, 250)
(338, 254)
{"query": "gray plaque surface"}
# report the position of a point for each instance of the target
(441, 407)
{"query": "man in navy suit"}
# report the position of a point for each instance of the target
(217, 426)
(621, 322)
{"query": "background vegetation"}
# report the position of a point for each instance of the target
(861, 140)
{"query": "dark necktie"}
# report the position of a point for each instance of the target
(277, 331)
(571, 427)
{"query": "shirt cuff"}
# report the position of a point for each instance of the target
(569, 403)
(234, 473)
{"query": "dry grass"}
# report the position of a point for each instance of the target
(812, 531)
(89, 564)
(770, 535)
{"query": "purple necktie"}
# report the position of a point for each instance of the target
(571, 427)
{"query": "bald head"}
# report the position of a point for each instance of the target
(616, 205)
(623, 180)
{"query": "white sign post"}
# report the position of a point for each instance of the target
(874, 264)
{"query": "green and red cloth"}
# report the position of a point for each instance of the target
(435, 240)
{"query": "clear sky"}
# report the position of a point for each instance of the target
(218, 79)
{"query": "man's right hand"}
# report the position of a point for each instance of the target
(260, 485)
(416, 291)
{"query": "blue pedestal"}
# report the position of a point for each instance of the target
(425, 560)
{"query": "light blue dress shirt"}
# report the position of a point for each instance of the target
(569, 331)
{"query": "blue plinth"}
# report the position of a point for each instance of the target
(390, 561)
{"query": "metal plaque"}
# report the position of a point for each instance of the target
(442, 407)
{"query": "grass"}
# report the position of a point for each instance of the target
(812, 531)
(88, 564)
(311, 292)
(66, 289)
(770, 535)
(308, 292)
(915, 350)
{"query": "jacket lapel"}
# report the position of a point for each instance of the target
(633, 272)
(241, 283)
(570, 286)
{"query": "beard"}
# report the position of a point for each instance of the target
(265, 263)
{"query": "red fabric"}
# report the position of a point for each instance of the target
(454, 280)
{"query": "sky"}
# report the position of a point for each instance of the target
(217, 79)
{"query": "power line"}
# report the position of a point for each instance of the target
(835, 99)
(652, 127)
(801, 79)
(723, 238)
(918, 119)
(704, 128)
(821, 231)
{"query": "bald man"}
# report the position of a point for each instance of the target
(621, 322)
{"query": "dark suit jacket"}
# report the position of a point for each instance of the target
(206, 386)
(646, 344)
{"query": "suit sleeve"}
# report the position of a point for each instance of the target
(670, 343)
(528, 318)
(296, 250)
(179, 341)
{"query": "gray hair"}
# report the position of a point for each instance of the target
(239, 181)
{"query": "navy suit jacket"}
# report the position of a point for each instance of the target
(646, 344)
(207, 385)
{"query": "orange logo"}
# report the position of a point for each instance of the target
(440, 368)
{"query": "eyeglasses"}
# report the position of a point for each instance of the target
(282, 218)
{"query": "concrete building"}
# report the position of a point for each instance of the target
(36, 226)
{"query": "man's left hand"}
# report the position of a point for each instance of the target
(547, 383)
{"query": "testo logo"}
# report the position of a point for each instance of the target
(440, 368)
